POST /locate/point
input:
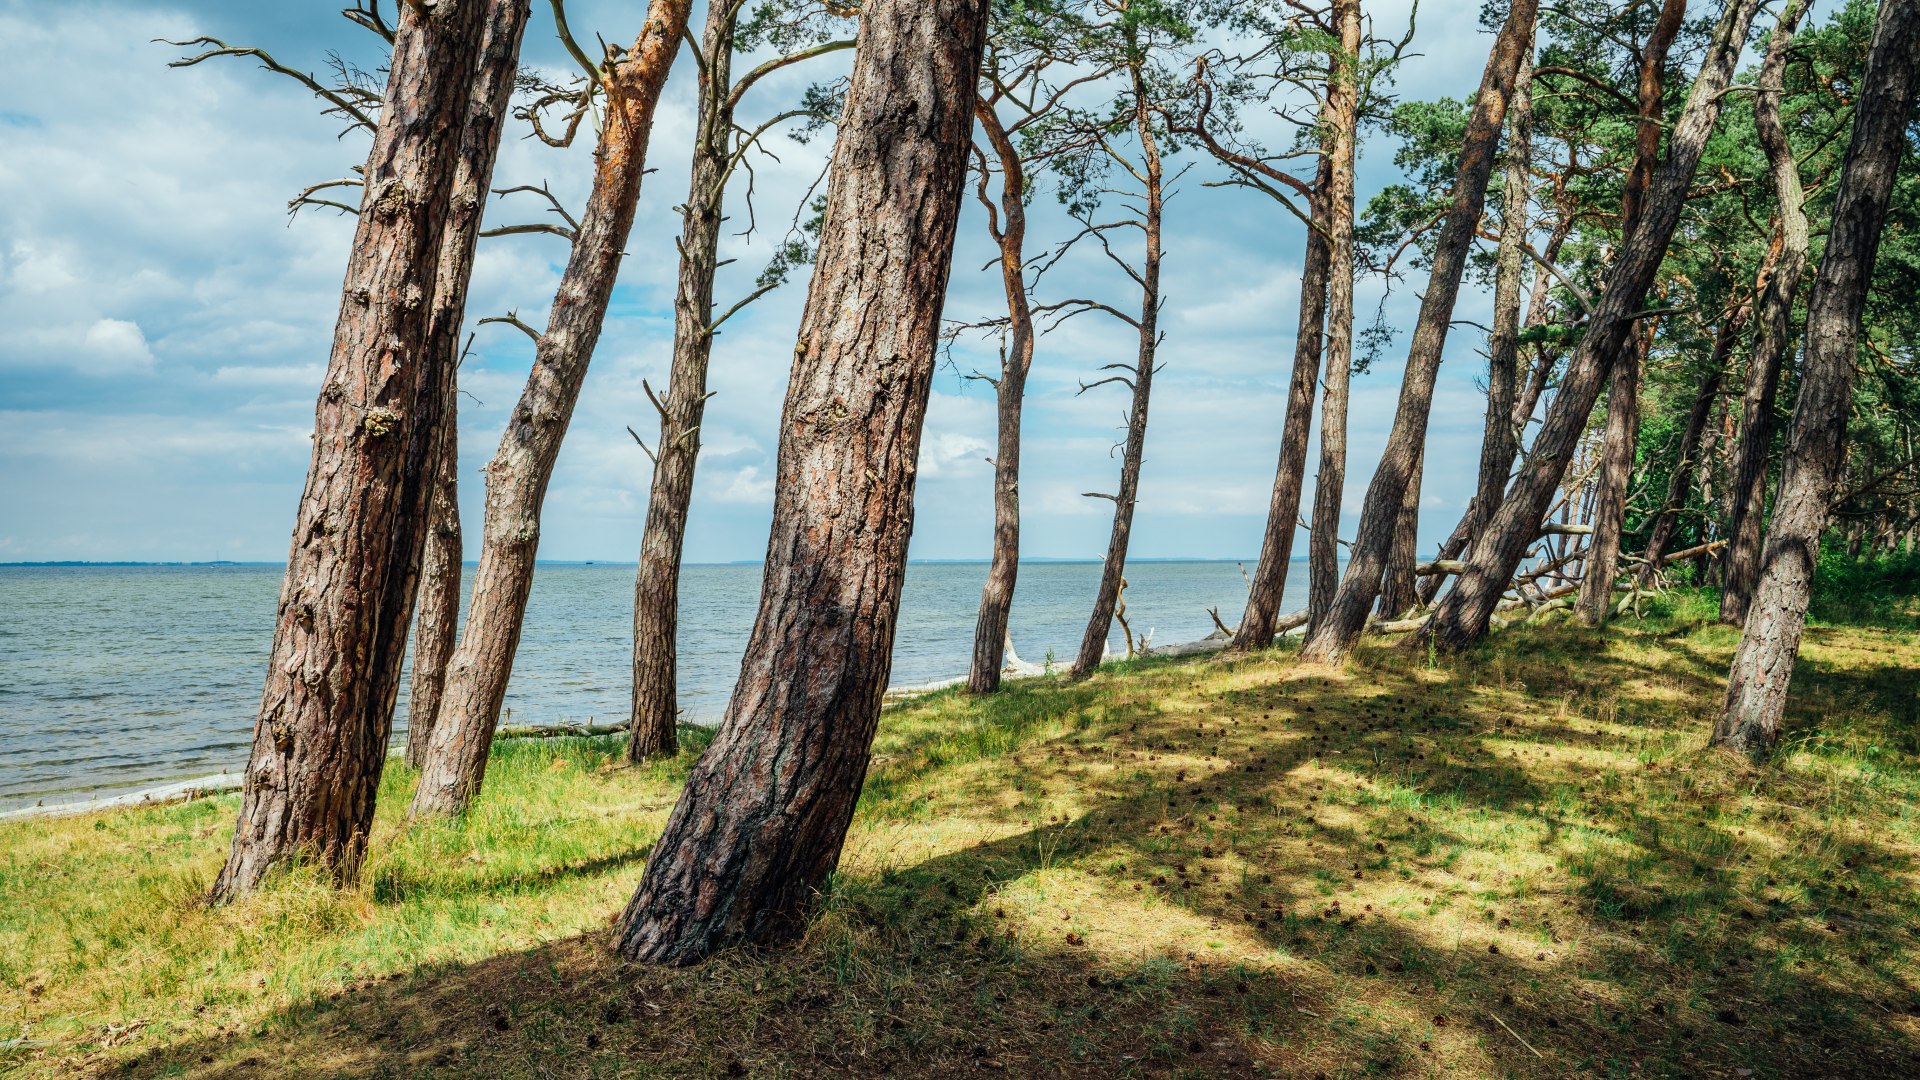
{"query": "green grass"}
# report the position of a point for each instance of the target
(1522, 862)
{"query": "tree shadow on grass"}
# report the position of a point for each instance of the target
(1245, 868)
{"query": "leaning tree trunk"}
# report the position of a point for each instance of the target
(1493, 476)
(1816, 445)
(438, 620)
(653, 720)
(761, 821)
(1464, 614)
(1667, 518)
(1346, 617)
(320, 742)
(1269, 583)
(1623, 397)
(1093, 644)
(1329, 490)
(1397, 592)
(518, 474)
(1618, 444)
(1500, 441)
(1749, 494)
(1010, 236)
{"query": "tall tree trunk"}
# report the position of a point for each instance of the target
(1500, 441)
(1473, 520)
(1397, 593)
(761, 821)
(1269, 582)
(1667, 518)
(320, 741)
(1010, 236)
(1329, 489)
(1749, 494)
(1618, 445)
(1346, 617)
(1623, 396)
(1465, 613)
(1093, 644)
(518, 474)
(438, 621)
(1816, 444)
(436, 626)
(653, 719)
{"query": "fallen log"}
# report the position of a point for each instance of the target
(557, 731)
(1684, 554)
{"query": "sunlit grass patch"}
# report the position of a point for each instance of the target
(1524, 861)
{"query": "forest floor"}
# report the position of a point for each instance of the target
(1520, 862)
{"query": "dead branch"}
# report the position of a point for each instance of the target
(348, 101)
(512, 318)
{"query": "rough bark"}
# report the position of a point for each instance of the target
(1747, 499)
(1010, 236)
(653, 718)
(1269, 584)
(1667, 518)
(761, 821)
(1329, 639)
(1329, 489)
(320, 741)
(1619, 443)
(438, 621)
(1816, 444)
(1093, 644)
(1501, 439)
(1622, 434)
(1463, 615)
(1473, 519)
(518, 474)
(1397, 592)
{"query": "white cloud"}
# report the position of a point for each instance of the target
(92, 348)
(746, 486)
(145, 234)
(114, 345)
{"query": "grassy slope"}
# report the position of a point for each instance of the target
(1523, 862)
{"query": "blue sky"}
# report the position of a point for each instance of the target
(163, 327)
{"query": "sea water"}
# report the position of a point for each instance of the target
(116, 678)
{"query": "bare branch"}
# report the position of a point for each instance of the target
(746, 81)
(338, 97)
(714, 326)
(659, 406)
(524, 230)
(1080, 306)
(651, 456)
(544, 192)
(573, 47)
(367, 14)
(512, 318)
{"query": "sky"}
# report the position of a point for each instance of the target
(164, 326)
